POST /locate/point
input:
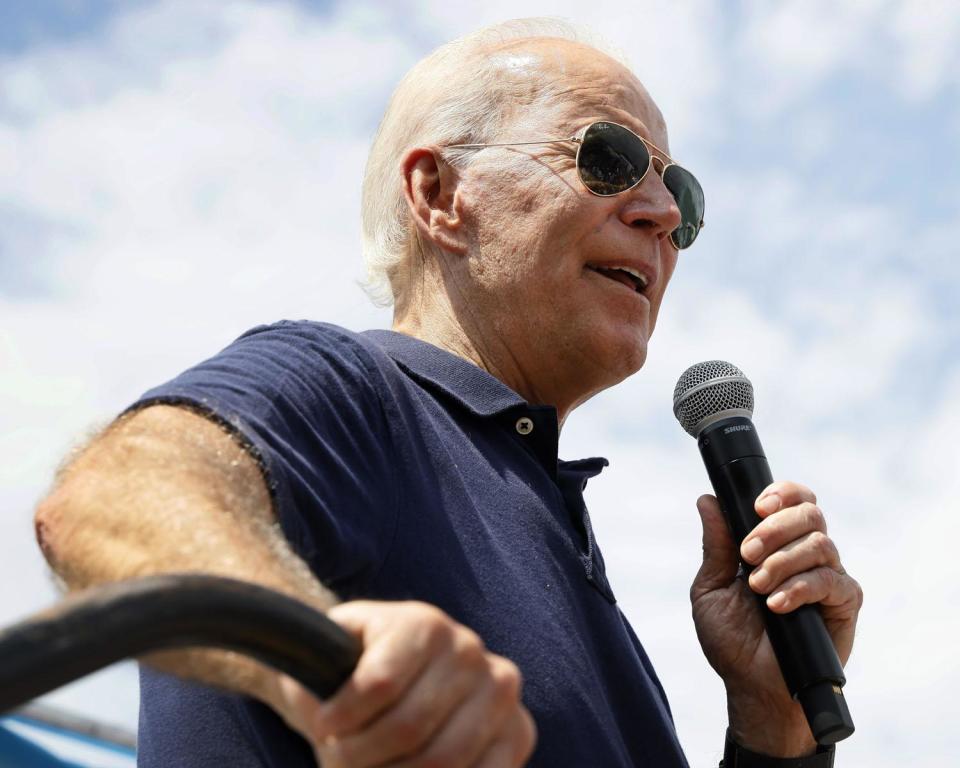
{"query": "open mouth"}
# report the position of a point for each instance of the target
(627, 276)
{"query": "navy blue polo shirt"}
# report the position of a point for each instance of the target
(401, 471)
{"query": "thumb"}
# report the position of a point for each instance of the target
(720, 562)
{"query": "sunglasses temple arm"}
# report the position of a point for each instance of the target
(510, 143)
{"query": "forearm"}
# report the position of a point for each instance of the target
(167, 490)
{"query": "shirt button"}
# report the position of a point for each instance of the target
(524, 425)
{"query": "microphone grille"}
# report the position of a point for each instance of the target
(710, 391)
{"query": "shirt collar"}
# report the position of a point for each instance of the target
(482, 394)
(581, 470)
(479, 392)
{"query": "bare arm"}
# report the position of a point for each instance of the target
(166, 490)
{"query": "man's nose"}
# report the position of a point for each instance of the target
(651, 206)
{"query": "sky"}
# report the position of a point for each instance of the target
(173, 173)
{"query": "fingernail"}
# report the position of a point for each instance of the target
(751, 550)
(759, 579)
(777, 600)
(770, 504)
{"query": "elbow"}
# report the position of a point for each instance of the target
(48, 524)
(60, 527)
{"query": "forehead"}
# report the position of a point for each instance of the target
(586, 85)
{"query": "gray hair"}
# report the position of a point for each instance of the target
(459, 94)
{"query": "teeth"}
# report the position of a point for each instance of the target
(636, 274)
(641, 278)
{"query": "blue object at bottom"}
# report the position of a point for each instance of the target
(18, 750)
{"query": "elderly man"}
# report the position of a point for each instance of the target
(522, 208)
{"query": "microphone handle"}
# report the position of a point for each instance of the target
(807, 658)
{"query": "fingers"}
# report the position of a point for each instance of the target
(822, 585)
(838, 595)
(719, 567)
(809, 552)
(779, 529)
(514, 747)
(425, 692)
(395, 653)
(784, 493)
(457, 675)
(487, 718)
(294, 703)
(790, 545)
(797, 562)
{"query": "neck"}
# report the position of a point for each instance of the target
(430, 316)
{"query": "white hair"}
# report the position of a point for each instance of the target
(459, 94)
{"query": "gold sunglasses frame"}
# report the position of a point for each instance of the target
(577, 139)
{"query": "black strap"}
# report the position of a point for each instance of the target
(735, 756)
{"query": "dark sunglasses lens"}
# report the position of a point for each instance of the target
(688, 193)
(611, 159)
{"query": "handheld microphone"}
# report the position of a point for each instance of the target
(713, 401)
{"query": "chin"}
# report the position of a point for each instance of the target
(601, 349)
(627, 354)
(636, 358)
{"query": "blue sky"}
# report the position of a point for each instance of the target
(175, 172)
(25, 25)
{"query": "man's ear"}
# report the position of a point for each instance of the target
(430, 186)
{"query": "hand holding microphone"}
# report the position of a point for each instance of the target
(781, 664)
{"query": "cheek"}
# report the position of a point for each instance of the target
(668, 266)
(522, 232)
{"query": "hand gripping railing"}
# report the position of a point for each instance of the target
(96, 628)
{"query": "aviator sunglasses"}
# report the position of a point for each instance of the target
(612, 159)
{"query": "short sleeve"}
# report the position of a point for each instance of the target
(306, 399)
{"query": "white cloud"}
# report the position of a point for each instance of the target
(682, 68)
(788, 49)
(215, 178)
(927, 35)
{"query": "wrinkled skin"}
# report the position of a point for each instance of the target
(517, 230)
